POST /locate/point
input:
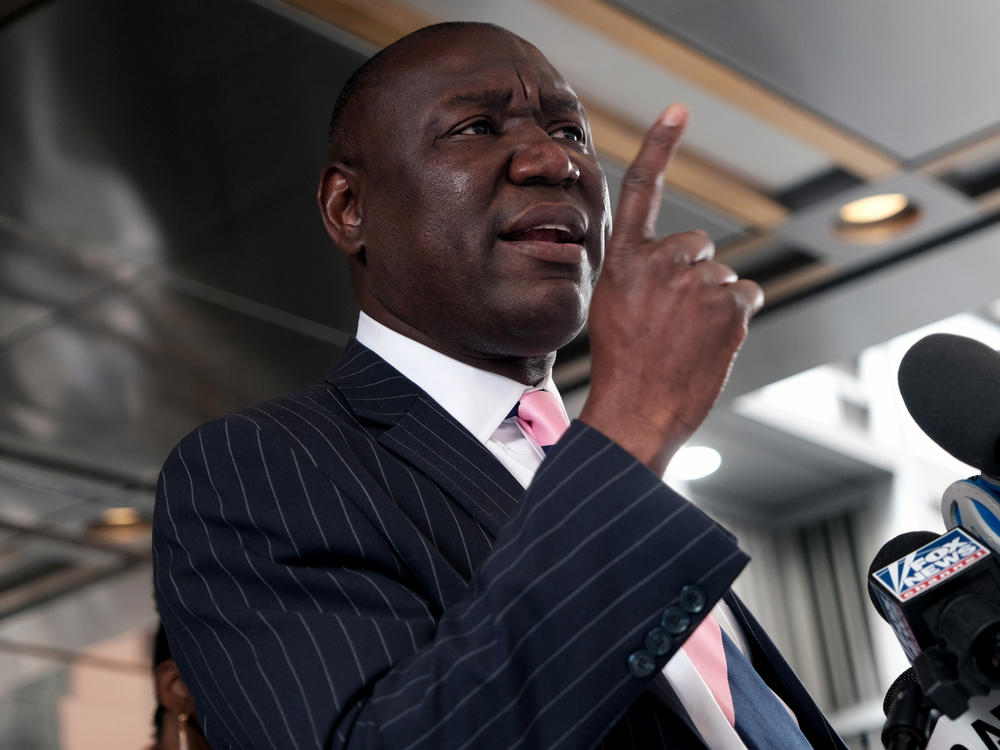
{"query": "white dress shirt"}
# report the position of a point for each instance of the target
(480, 401)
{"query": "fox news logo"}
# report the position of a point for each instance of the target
(928, 566)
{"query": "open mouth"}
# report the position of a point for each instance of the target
(549, 232)
(557, 233)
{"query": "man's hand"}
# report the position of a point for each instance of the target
(666, 320)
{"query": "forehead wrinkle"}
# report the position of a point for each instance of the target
(524, 86)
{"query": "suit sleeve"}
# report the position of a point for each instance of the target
(326, 639)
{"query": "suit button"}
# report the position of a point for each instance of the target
(641, 664)
(692, 599)
(675, 620)
(658, 641)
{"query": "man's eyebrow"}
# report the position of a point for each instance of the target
(558, 101)
(484, 97)
(563, 102)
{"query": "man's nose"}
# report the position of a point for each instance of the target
(541, 159)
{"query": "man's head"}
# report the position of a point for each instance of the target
(465, 189)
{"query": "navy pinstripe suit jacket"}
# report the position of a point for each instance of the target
(348, 567)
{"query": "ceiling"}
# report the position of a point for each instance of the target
(162, 260)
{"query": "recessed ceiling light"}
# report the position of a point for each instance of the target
(873, 209)
(875, 218)
(694, 462)
(120, 516)
(121, 526)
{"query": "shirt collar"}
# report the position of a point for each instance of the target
(477, 399)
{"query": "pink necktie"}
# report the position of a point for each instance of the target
(756, 713)
(540, 415)
(704, 649)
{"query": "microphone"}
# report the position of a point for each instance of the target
(941, 594)
(914, 562)
(895, 549)
(949, 385)
(909, 717)
(942, 599)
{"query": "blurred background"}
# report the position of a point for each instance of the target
(162, 261)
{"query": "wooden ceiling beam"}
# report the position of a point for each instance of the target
(985, 148)
(848, 151)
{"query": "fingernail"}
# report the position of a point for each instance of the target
(673, 115)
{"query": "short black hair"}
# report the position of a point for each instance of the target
(371, 73)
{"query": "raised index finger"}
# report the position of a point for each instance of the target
(642, 185)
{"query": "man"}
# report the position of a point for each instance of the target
(385, 560)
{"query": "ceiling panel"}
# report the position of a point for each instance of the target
(837, 323)
(278, 256)
(33, 496)
(144, 142)
(140, 369)
(911, 77)
(770, 477)
(941, 208)
(37, 279)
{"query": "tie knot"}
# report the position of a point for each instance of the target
(540, 415)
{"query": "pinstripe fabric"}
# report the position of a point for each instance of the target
(347, 567)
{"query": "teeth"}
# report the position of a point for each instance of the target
(562, 232)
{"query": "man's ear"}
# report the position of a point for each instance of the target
(340, 208)
(171, 690)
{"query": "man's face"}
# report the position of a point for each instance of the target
(484, 209)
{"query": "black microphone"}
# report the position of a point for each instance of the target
(949, 384)
(950, 387)
(941, 595)
(895, 549)
(909, 717)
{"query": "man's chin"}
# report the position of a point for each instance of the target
(544, 331)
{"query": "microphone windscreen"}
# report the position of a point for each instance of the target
(908, 678)
(951, 387)
(894, 549)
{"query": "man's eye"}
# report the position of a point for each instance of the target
(479, 127)
(569, 133)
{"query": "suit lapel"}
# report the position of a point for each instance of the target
(419, 430)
